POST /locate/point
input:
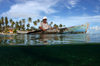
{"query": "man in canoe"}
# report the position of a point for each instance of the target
(44, 25)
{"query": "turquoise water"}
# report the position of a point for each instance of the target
(48, 39)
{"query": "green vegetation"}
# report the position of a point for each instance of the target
(6, 23)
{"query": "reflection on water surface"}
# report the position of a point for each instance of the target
(42, 39)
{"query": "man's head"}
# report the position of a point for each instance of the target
(45, 19)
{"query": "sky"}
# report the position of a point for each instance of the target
(66, 12)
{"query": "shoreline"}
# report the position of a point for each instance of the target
(8, 33)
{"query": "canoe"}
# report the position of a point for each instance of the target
(22, 32)
(74, 29)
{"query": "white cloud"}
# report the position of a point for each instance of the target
(76, 20)
(22, 0)
(97, 10)
(95, 27)
(31, 8)
(71, 3)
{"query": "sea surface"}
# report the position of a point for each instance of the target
(48, 39)
(50, 50)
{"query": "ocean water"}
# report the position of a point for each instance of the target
(50, 50)
(48, 39)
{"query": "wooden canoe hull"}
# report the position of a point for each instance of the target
(73, 29)
(77, 29)
(22, 32)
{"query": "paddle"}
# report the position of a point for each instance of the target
(37, 31)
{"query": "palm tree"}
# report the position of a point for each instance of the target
(6, 24)
(29, 19)
(11, 20)
(2, 24)
(17, 26)
(20, 22)
(28, 25)
(55, 26)
(12, 24)
(35, 23)
(51, 23)
(23, 20)
(38, 20)
(23, 26)
(6, 21)
(60, 25)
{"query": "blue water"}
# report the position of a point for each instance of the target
(48, 39)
